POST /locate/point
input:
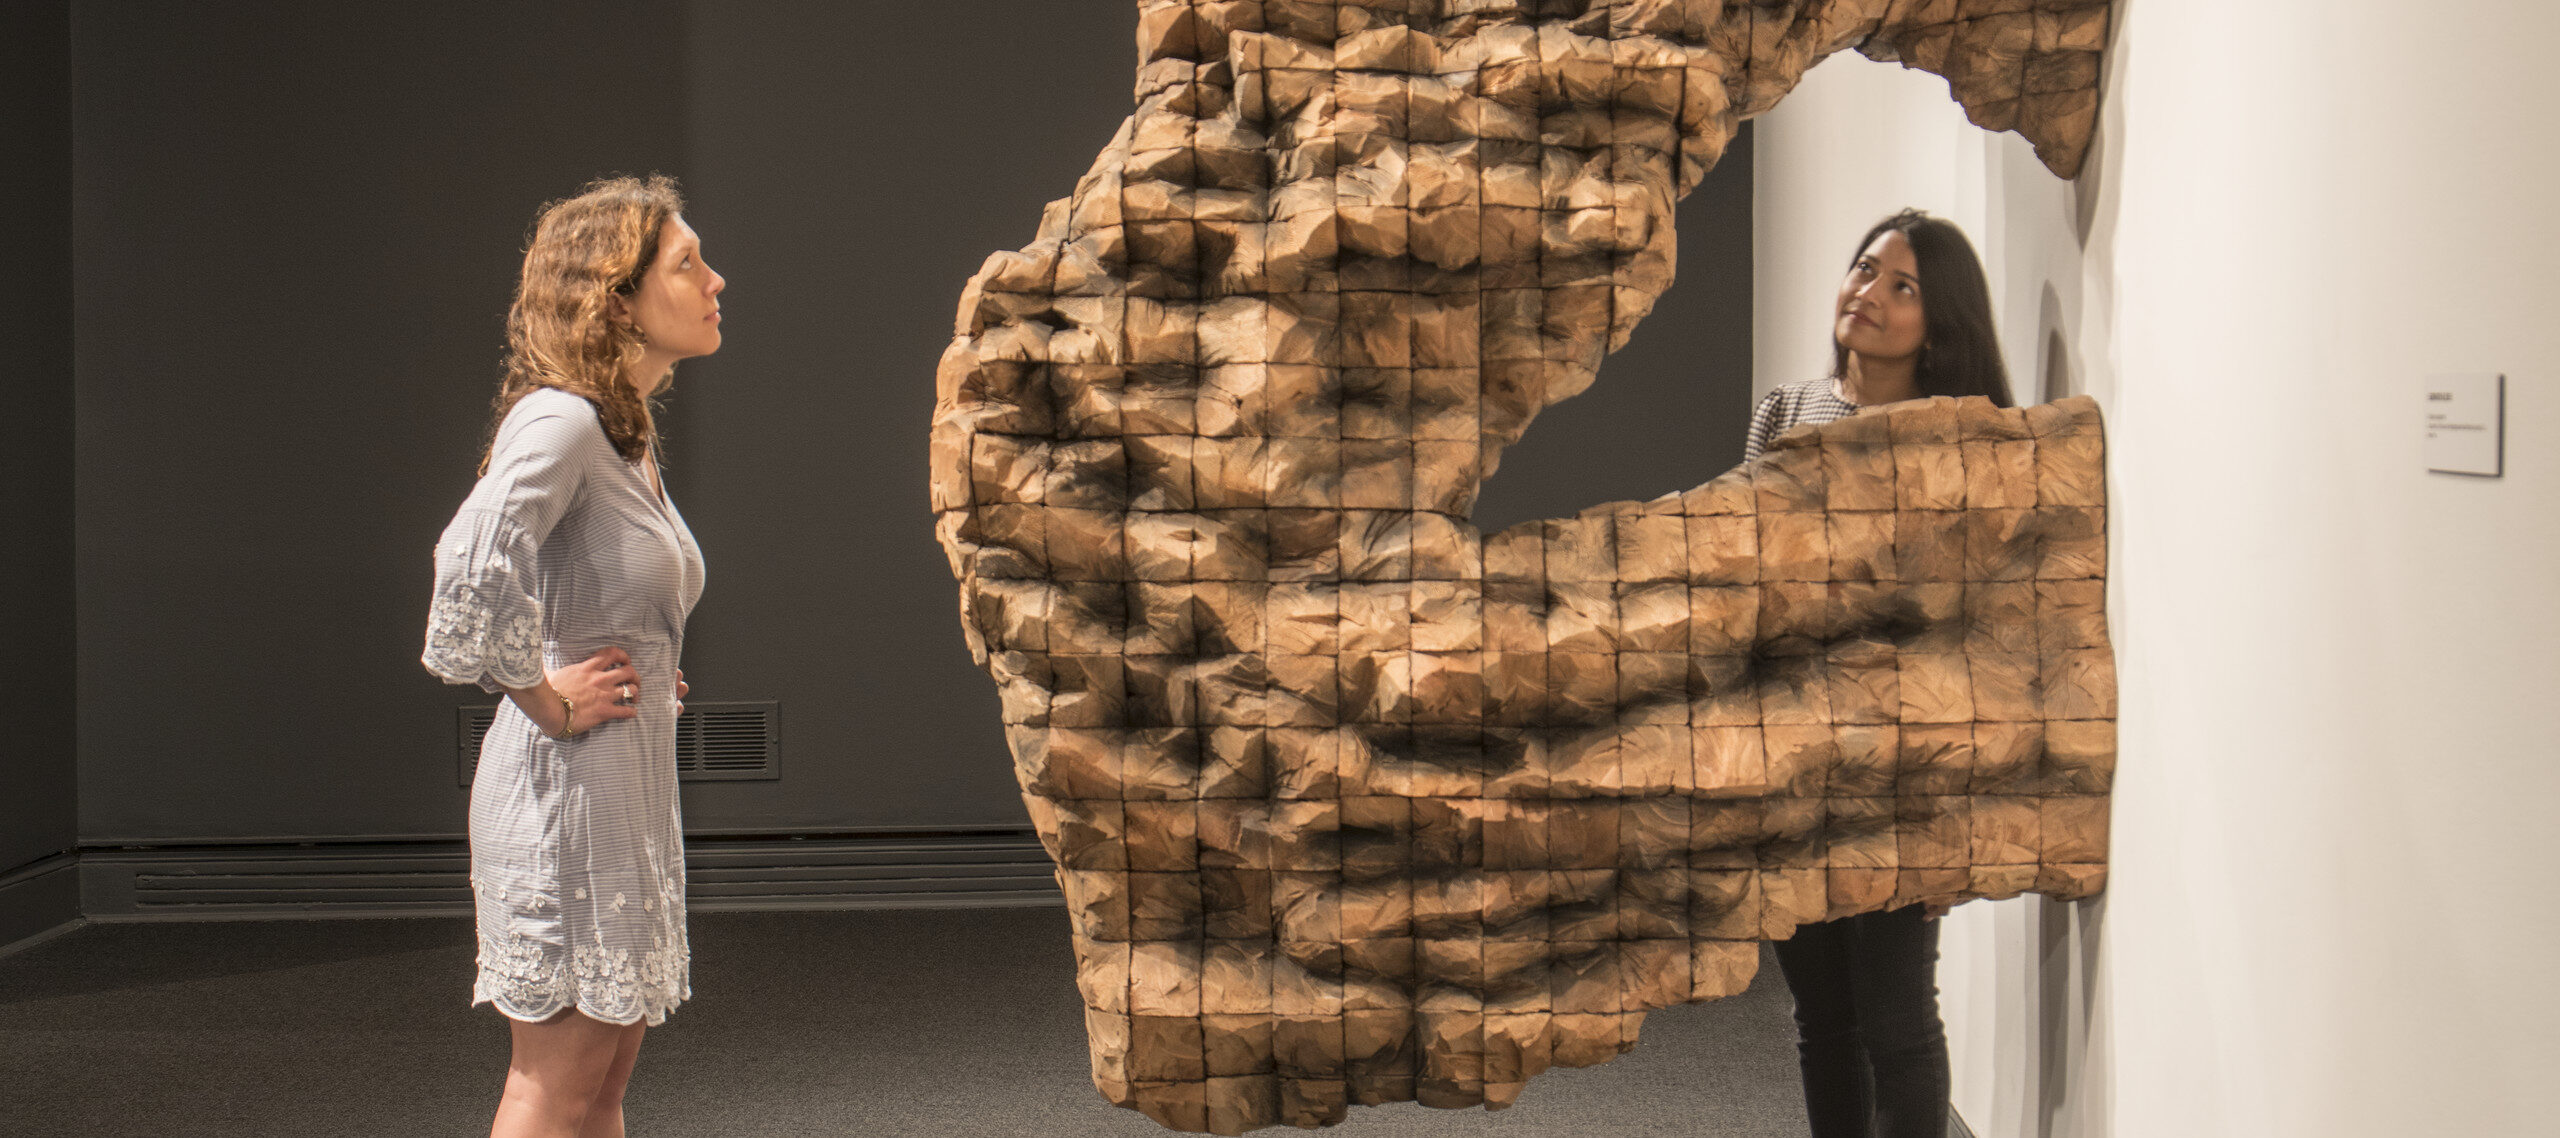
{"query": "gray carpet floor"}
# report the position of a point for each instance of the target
(926, 1023)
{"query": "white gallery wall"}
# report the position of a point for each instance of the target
(2332, 911)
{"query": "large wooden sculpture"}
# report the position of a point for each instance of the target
(1352, 804)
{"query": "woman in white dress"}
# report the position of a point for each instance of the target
(564, 581)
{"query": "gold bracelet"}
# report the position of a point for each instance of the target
(568, 718)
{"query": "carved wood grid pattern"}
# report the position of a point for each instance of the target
(1353, 804)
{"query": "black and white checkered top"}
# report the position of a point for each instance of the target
(1802, 403)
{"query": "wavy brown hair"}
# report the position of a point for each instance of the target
(560, 333)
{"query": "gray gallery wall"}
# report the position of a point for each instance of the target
(36, 632)
(296, 232)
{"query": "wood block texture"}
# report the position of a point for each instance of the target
(1353, 804)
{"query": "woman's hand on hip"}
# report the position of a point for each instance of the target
(603, 687)
(683, 689)
(570, 700)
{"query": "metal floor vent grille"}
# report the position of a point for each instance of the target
(729, 741)
(886, 871)
(715, 742)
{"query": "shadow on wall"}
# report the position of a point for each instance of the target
(2056, 378)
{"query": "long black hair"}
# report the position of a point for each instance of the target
(1959, 350)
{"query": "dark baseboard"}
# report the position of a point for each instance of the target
(432, 878)
(38, 901)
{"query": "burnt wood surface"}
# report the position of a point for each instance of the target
(1352, 803)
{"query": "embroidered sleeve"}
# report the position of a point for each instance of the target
(484, 623)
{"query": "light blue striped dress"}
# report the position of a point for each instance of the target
(577, 852)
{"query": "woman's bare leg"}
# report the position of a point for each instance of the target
(604, 1116)
(557, 1070)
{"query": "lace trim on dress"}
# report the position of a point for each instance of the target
(527, 980)
(484, 626)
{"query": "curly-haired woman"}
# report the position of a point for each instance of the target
(564, 581)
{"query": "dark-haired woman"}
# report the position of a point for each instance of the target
(1912, 320)
(564, 581)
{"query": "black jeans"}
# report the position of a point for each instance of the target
(1873, 1050)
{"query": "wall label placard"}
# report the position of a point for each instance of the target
(2467, 423)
